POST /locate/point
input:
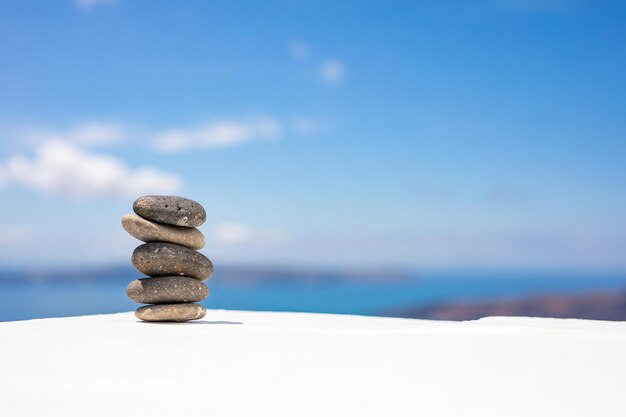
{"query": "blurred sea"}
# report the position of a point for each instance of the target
(24, 299)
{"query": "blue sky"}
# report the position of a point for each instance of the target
(443, 134)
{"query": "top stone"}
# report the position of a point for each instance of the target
(177, 211)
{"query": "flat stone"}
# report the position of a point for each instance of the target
(165, 290)
(162, 259)
(177, 211)
(171, 312)
(148, 231)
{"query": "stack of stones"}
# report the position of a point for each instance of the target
(169, 257)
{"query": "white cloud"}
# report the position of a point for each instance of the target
(333, 71)
(299, 50)
(237, 233)
(219, 134)
(62, 168)
(91, 4)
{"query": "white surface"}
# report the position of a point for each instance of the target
(291, 364)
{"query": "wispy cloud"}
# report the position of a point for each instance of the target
(88, 133)
(97, 133)
(63, 168)
(91, 4)
(211, 135)
(219, 134)
(329, 71)
(332, 71)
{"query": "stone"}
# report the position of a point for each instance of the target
(148, 231)
(171, 312)
(162, 259)
(177, 211)
(165, 290)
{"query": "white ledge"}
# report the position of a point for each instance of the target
(294, 364)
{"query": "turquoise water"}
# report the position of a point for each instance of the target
(25, 300)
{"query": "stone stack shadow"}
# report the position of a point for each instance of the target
(169, 257)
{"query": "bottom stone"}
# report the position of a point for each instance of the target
(171, 312)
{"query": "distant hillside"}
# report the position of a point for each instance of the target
(597, 306)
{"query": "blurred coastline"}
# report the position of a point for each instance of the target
(26, 294)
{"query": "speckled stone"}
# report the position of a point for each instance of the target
(162, 259)
(177, 211)
(171, 312)
(149, 231)
(164, 290)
